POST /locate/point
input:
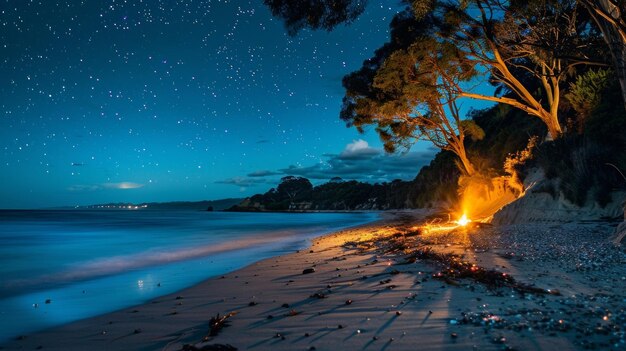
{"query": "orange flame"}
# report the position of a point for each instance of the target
(463, 221)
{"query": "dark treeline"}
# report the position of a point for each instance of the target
(298, 194)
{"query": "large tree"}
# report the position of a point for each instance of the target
(516, 45)
(519, 45)
(407, 99)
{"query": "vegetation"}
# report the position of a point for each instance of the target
(336, 195)
(610, 17)
(541, 58)
(582, 164)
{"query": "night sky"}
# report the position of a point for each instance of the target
(107, 101)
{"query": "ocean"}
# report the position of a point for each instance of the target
(64, 265)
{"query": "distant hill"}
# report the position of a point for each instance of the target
(216, 205)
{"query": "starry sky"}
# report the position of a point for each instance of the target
(162, 100)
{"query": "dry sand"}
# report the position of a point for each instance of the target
(368, 298)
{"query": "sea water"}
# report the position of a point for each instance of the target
(60, 266)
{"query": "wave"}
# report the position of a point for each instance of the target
(113, 265)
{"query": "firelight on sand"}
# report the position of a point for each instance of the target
(463, 221)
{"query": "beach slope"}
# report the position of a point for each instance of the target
(374, 288)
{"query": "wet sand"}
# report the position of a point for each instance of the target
(373, 288)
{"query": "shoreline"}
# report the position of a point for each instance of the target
(362, 298)
(97, 279)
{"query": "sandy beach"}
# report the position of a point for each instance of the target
(391, 285)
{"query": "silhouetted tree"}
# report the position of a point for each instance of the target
(315, 14)
(294, 188)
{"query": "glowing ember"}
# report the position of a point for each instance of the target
(463, 220)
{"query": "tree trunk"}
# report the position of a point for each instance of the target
(617, 46)
(621, 73)
(554, 128)
(467, 165)
(610, 19)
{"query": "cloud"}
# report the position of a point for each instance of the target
(359, 161)
(122, 185)
(358, 149)
(242, 181)
(263, 173)
(94, 187)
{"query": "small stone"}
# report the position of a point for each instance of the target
(398, 313)
(285, 305)
(454, 335)
(348, 302)
(137, 331)
(340, 326)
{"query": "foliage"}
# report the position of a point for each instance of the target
(435, 184)
(586, 93)
(404, 96)
(334, 195)
(514, 161)
(315, 14)
(610, 17)
(294, 188)
(579, 163)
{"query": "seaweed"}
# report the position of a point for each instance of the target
(217, 323)
(411, 249)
